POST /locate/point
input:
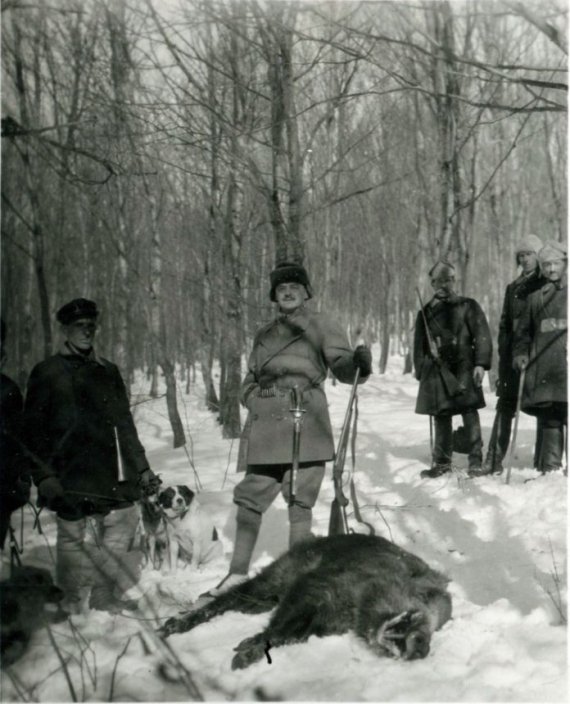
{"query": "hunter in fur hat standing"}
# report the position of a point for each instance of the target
(541, 348)
(297, 349)
(529, 280)
(452, 350)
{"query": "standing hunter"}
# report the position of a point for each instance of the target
(90, 466)
(541, 349)
(516, 294)
(450, 359)
(295, 350)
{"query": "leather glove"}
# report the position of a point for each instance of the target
(478, 374)
(51, 490)
(149, 482)
(520, 362)
(362, 359)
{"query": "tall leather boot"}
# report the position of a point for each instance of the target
(300, 519)
(537, 443)
(473, 430)
(552, 447)
(442, 448)
(247, 529)
(248, 524)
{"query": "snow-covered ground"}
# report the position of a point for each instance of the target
(503, 547)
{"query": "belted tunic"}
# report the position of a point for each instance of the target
(293, 350)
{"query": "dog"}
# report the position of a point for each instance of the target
(190, 533)
(154, 538)
(22, 600)
(389, 597)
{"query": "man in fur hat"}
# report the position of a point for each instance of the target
(516, 294)
(540, 348)
(90, 464)
(298, 348)
(450, 359)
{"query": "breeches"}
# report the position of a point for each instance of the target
(97, 550)
(262, 483)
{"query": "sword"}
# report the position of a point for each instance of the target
(297, 413)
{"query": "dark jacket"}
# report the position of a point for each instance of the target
(14, 482)
(293, 350)
(516, 294)
(73, 407)
(542, 335)
(461, 332)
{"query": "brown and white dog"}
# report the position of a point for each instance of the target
(190, 533)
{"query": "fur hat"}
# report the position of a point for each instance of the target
(289, 272)
(552, 251)
(441, 267)
(76, 309)
(530, 243)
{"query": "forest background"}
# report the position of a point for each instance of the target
(159, 156)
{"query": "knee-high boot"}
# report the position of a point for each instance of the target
(552, 448)
(247, 530)
(300, 518)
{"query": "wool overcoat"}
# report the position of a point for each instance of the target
(77, 422)
(298, 349)
(514, 302)
(14, 481)
(461, 333)
(542, 335)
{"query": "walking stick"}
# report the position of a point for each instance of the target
(514, 440)
(297, 412)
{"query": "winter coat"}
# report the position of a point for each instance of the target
(14, 482)
(542, 335)
(74, 405)
(460, 330)
(292, 350)
(516, 294)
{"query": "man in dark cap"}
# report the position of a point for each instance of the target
(541, 348)
(529, 280)
(450, 359)
(295, 350)
(90, 466)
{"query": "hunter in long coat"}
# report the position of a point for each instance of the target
(541, 348)
(89, 460)
(514, 303)
(297, 349)
(450, 369)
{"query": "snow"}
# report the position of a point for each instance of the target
(503, 547)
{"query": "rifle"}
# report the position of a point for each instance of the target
(337, 521)
(450, 384)
(517, 414)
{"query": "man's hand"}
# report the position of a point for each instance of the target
(520, 362)
(478, 374)
(362, 359)
(51, 490)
